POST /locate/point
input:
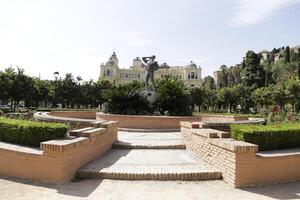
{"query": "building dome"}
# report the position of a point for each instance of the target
(192, 65)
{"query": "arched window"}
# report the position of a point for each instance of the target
(107, 72)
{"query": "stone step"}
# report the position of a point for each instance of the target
(149, 130)
(139, 145)
(148, 164)
(153, 140)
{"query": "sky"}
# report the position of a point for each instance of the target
(76, 36)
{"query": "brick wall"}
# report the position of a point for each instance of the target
(75, 114)
(239, 162)
(57, 160)
(147, 122)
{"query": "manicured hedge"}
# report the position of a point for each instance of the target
(269, 137)
(30, 133)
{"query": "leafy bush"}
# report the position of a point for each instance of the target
(30, 133)
(269, 137)
(173, 98)
(127, 99)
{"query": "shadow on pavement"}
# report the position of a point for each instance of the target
(277, 191)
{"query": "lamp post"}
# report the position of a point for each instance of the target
(56, 74)
(243, 87)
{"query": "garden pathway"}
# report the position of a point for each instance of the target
(149, 156)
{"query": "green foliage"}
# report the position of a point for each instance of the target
(287, 56)
(209, 83)
(198, 96)
(230, 96)
(127, 99)
(269, 137)
(173, 97)
(293, 92)
(30, 133)
(262, 96)
(283, 71)
(252, 70)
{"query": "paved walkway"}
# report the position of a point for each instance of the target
(150, 139)
(142, 190)
(149, 164)
(149, 156)
(144, 160)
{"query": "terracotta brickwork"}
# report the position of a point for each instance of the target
(238, 161)
(75, 114)
(147, 122)
(169, 122)
(57, 160)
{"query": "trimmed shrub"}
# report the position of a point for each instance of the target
(30, 133)
(173, 98)
(269, 137)
(127, 99)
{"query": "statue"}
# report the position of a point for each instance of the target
(151, 66)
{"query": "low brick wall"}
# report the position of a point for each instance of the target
(57, 160)
(75, 114)
(63, 117)
(238, 161)
(81, 119)
(167, 122)
(147, 122)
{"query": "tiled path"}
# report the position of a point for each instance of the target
(149, 156)
(158, 140)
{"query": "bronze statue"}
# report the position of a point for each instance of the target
(151, 66)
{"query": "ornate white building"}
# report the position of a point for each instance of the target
(190, 74)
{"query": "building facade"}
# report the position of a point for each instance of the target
(190, 74)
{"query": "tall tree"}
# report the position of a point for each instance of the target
(209, 82)
(287, 56)
(253, 72)
(198, 97)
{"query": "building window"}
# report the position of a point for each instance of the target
(108, 72)
(192, 75)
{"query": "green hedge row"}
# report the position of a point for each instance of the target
(269, 137)
(30, 133)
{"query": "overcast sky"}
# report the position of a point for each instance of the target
(43, 36)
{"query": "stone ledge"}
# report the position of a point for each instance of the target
(193, 125)
(234, 145)
(149, 130)
(279, 153)
(211, 133)
(97, 124)
(123, 145)
(76, 132)
(189, 176)
(108, 124)
(20, 149)
(92, 132)
(63, 145)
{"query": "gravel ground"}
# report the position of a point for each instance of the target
(140, 190)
